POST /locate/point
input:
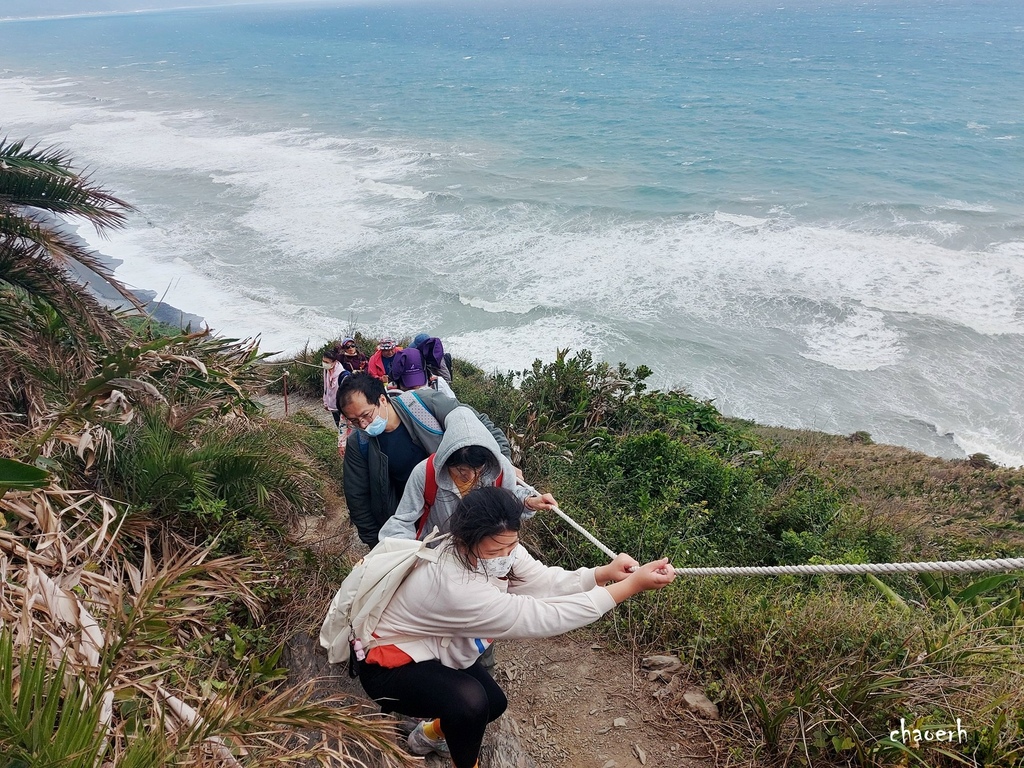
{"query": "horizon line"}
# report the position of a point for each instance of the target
(132, 12)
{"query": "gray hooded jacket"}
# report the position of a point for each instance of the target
(462, 428)
(424, 412)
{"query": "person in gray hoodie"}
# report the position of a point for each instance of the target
(391, 434)
(468, 457)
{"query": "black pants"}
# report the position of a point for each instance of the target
(336, 415)
(465, 700)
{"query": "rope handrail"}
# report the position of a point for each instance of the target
(935, 566)
(291, 362)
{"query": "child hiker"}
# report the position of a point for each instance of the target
(467, 458)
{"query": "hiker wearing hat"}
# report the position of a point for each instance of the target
(423, 660)
(391, 434)
(353, 360)
(437, 362)
(407, 371)
(380, 361)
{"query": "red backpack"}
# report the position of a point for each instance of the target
(430, 494)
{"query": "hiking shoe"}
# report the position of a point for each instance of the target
(421, 744)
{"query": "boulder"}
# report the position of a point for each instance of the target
(700, 704)
(662, 663)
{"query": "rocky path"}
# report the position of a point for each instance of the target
(574, 701)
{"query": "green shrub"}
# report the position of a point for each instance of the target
(496, 395)
(655, 495)
(322, 444)
(147, 328)
(214, 475)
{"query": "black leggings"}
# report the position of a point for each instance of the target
(465, 700)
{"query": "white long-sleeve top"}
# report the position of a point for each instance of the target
(444, 611)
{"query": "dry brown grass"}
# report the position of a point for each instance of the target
(69, 589)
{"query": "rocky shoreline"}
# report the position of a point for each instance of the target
(159, 310)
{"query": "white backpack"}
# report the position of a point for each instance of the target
(364, 594)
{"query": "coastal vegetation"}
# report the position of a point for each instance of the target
(143, 507)
(805, 670)
(151, 582)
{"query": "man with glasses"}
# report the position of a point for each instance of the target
(390, 436)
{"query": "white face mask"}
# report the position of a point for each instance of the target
(495, 567)
(327, 366)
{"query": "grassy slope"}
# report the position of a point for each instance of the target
(941, 508)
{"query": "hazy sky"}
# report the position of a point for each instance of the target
(36, 8)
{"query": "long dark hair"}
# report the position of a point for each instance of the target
(483, 512)
(333, 353)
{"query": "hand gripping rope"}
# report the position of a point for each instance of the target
(940, 566)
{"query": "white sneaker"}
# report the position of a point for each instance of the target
(421, 744)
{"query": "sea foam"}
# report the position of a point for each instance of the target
(783, 309)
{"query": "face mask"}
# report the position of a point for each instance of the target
(376, 427)
(495, 567)
(327, 366)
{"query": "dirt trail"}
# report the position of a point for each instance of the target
(573, 703)
(274, 405)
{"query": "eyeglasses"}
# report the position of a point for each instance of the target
(364, 418)
(348, 346)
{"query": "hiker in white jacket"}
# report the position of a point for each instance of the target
(424, 662)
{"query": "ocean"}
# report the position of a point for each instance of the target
(809, 212)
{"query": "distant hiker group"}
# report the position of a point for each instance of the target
(424, 363)
(417, 623)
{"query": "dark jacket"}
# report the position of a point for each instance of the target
(355, 363)
(368, 492)
(443, 370)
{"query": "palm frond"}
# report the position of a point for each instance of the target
(37, 188)
(45, 240)
(252, 471)
(21, 266)
(43, 179)
(15, 156)
(46, 719)
(99, 677)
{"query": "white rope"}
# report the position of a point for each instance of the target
(585, 532)
(938, 566)
(292, 362)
